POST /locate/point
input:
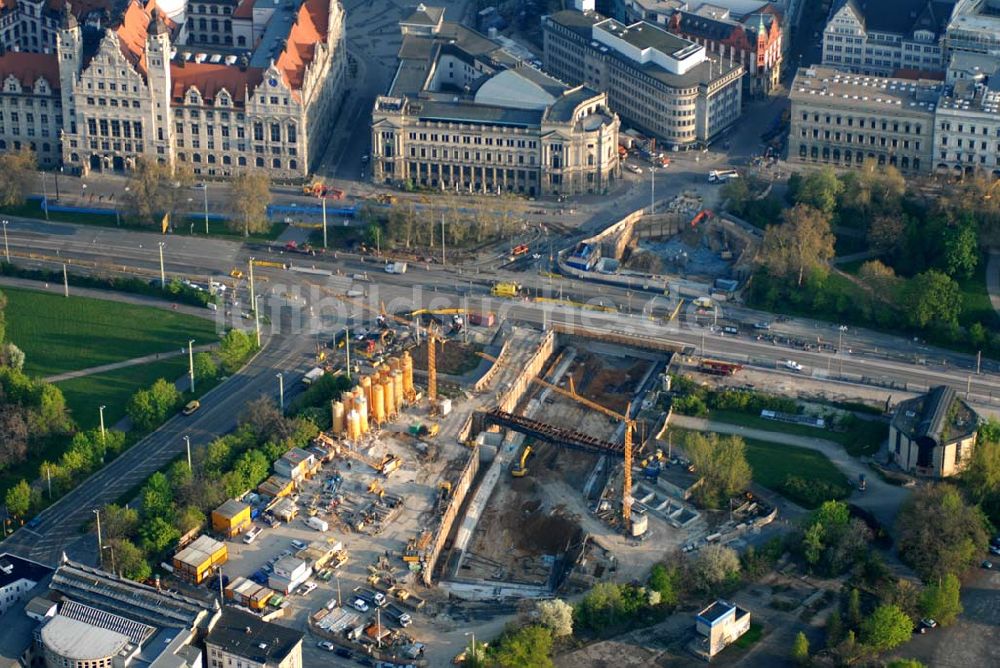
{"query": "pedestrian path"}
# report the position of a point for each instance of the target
(136, 361)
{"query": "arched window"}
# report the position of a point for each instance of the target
(276, 163)
(259, 162)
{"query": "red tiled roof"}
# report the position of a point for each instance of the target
(244, 10)
(29, 67)
(81, 7)
(310, 27)
(210, 78)
(132, 34)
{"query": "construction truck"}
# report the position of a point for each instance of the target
(484, 319)
(521, 470)
(312, 375)
(304, 249)
(375, 487)
(395, 267)
(320, 189)
(506, 289)
(389, 464)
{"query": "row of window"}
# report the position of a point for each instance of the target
(896, 126)
(851, 138)
(468, 155)
(856, 157)
(475, 140)
(970, 129)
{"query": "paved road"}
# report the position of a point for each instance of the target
(881, 499)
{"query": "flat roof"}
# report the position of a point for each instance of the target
(245, 635)
(716, 611)
(848, 89)
(80, 641)
(231, 508)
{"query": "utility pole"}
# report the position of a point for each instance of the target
(347, 349)
(100, 544)
(191, 362)
(465, 327)
(101, 409)
(443, 261)
(338, 590)
(204, 190)
(48, 477)
(65, 282)
(114, 569)
(968, 387)
(324, 221)
(253, 305)
(6, 248)
(163, 276)
(45, 196)
(979, 359)
(187, 442)
(253, 298)
(652, 190)
(281, 391)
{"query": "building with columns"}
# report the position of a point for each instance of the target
(463, 114)
(219, 85)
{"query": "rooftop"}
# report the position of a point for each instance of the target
(871, 91)
(30, 67)
(940, 414)
(245, 635)
(716, 611)
(136, 632)
(80, 641)
(14, 568)
(231, 508)
(903, 17)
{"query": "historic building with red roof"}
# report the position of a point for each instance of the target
(221, 85)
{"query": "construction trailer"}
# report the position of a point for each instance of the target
(199, 560)
(276, 487)
(231, 518)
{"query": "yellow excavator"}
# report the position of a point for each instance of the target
(521, 470)
(375, 487)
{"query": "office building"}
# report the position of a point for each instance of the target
(850, 120)
(221, 86)
(967, 126)
(241, 639)
(933, 434)
(974, 27)
(661, 84)
(886, 37)
(18, 577)
(463, 114)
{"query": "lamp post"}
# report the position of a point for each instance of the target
(101, 410)
(472, 649)
(187, 442)
(204, 189)
(114, 569)
(163, 275)
(45, 196)
(281, 391)
(652, 190)
(6, 248)
(191, 362)
(100, 544)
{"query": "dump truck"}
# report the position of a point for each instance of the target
(312, 375)
(320, 189)
(506, 289)
(402, 618)
(409, 600)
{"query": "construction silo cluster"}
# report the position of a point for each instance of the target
(376, 399)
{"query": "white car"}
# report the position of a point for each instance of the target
(307, 588)
(360, 605)
(793, 365)
(327, 645)
(635, 169)
(299, 545)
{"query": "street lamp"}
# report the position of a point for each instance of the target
(6, 248)
(101, 409)
(203, 186)
(191, 362)
(475, 654)
(45, 195)
(100, 544)
(281, 391)
(114, 569)
(187, 442)
(163, 276)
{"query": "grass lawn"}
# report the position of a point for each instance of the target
(752, 635)
(113, 389)
(976, 306)
(59, 334)
(773, 463)
(864, 438)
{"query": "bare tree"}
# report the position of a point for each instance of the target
(154, 191)
(18, 168)
(803, 242)
(249, 195)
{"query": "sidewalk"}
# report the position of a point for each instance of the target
(136, 361)
(881, 498)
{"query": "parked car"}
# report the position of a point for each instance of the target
(987, 564)
(307, 588)
(327, 645)
(344, 652)
(793, 365)
(299, 545)
(191, 407)
(762, 325)
(995, 549)
(360, 605)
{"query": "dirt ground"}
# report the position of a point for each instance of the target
(454, 358)
(606, 380)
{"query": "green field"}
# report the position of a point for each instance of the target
(113, 389)
(59, 334)
(864, 438)
(773, 463)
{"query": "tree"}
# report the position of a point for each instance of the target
(118, 522)
(721, 462)
(981, 478)
(800, 649)
(527, 647)
(13, 435)
(158, 535)
(820, 190)
(155, 191)
(18, 499)
(887, 627)
(204, 366)
(904, 663)
(18, 169)
(802, 243)
(885, 233)
(129, 560)
(249, 196)
(938, 533)
(715, 565)
(262, 417)
(664, 581)
(557, 616)
(151, 407)
(854, 608)
(961, 249)
(236, 347)
(941, 600)
(189, 518)
(12, 356)
(157, 497)
(933, 299)
(834, 629)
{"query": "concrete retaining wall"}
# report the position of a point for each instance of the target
(488, 377)
(458, 493)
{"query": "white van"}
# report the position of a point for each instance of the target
(722, 175)
(251, 535)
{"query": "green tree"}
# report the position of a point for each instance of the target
(236, 347)
(526, 647)
(18, 169)
(664, 581)
(800, 649)
(854, 608)
(157, 497)
(118, 522)
(129, 560)
(601, 607)
(721, 462)
(904, 663)
(820, 190)
(802, 244)
(834, 629)
(557, 616)
(249, 196)
(155, 191)
(938, 533)
(18, 499)
(812, 543)
(933, 299)
(981, 478)
(961, 249)
(189, 518)
(204, 366)
(158, 535)
(218, 454)
(941, 600)
(11, 355)
(716, 564)
(253, 468)
(887, 627)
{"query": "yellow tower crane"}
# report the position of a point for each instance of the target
(629, 429)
